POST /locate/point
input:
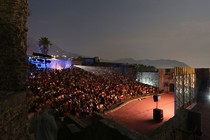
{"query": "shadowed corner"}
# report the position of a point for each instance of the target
(152, 121)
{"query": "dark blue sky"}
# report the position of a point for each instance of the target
(140, 29)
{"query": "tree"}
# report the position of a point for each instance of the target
(44, 44)
(144, 68)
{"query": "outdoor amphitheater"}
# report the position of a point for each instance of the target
(62, 94)
(111, 102)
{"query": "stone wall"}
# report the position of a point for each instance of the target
(13, 45)
(13, 116)
(13, 69)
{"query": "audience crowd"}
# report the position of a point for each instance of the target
(81, 91)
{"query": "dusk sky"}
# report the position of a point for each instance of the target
(113, 29)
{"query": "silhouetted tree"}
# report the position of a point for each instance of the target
(144, 68)
(44, 44)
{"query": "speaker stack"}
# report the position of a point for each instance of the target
(157, 113)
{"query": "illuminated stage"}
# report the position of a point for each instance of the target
(51, 63)
(138, 114)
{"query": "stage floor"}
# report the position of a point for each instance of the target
(138, 114)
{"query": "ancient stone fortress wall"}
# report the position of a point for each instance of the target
(13, 69)
(13, 44)
(13, 115)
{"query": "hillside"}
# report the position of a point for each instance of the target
(55, 50)
(162, 63)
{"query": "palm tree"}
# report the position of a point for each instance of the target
(44, 44)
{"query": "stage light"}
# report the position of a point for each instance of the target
(156, 98)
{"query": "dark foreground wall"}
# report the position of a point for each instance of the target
(13, 69)
(13, 116)
(107, 129)
(185, 125)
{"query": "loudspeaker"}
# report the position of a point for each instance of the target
(156, 98)
(157, 114)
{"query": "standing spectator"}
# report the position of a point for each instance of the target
(43, 125)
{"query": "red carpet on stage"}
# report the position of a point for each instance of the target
(138, 114)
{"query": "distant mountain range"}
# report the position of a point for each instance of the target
(55, 50)
(162, 63)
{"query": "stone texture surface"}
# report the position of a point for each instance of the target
(13, 69)
(13, 110)
(13, 45)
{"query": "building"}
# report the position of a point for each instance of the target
(166, 80)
